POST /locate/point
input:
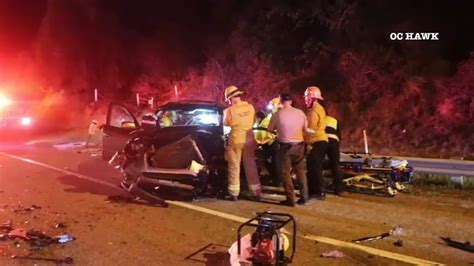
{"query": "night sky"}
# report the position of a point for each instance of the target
(199, 25)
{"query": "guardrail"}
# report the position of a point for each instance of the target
(439, 166)
(429, 165)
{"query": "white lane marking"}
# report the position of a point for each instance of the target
(327, 240)
(64, 171)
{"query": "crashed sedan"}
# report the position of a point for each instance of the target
(184, 151)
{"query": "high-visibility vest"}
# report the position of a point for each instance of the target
(262, 136)
(332, 128)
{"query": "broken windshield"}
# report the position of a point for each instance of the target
(189, 117)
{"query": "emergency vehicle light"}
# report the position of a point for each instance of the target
(4, 101)
(25, 121)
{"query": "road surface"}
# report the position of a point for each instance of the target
(81, 192)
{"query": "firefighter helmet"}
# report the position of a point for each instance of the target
(313, 92)
(232, 91)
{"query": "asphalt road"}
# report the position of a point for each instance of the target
(81, 192)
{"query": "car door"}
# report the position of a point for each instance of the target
(120, 122)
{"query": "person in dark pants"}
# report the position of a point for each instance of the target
(317, 142)
(290, 124)
(267, 142)
(334, 136)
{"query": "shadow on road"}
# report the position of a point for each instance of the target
(128, 199)
(212, 254)
(80, 185)
(96, 168)
(117, 195)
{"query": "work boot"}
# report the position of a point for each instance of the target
(288, 203)
(302, 201)
(231, 198)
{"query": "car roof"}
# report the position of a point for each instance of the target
(192, 104)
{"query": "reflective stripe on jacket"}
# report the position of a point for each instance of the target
(332, 128)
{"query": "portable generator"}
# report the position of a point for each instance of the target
(269, 243)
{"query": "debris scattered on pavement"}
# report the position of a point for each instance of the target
(91, 151)
(333, 254)
(466, 246)
(399, 243)
(18, 233)
(21, 209)
(68, 146)
(67, 260)
(395, 231)
(38, 239)
(59, 225)
(7, 226)
(65, 238)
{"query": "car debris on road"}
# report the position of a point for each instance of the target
(466, 246)
(64, 238)
(36, 239)
(398, 243)
(67, 260)
(59, 225)
(333, 254)
(395, 231)
(21, 209)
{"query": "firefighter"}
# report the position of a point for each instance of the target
(317, 142)
(334, 138)
(240, 117)
(290, 124)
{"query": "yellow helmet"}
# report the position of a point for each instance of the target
(274, 104)
(232, 91)
(313, 92)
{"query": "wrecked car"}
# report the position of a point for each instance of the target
(185, 150)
